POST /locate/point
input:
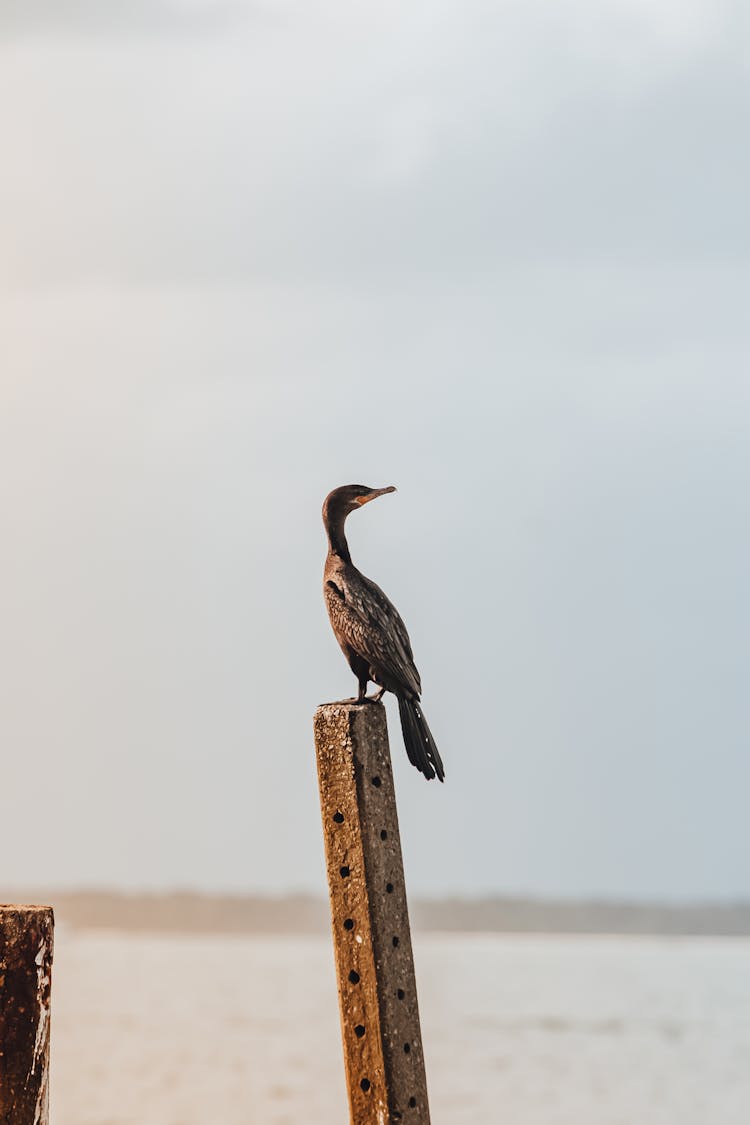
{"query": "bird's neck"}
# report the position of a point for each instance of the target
(337, 544)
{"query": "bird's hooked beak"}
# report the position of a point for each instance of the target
(360, 500)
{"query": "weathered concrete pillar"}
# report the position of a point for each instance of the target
(26, 934)
(372, 943)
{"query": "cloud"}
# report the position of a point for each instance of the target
(20, 18)
(357, 147)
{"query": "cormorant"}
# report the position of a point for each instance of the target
(370, 631)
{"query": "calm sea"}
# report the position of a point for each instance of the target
(164, 1030)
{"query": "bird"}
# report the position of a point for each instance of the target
(370, 632)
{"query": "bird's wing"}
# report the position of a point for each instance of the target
(372, 625)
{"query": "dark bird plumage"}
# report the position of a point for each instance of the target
(370, 631)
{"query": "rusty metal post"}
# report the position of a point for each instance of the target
(26, 934)
(372, 943)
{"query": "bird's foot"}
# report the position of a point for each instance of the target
(373, 698)
(363, 697)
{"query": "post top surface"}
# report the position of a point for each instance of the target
(349, 705)
(24, 908)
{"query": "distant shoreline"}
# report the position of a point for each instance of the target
(193, 912)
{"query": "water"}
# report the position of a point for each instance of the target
(165, 1030)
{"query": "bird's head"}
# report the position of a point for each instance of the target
(339, 503)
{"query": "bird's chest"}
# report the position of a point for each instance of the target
(342, 602)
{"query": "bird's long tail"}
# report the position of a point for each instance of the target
(418, 740)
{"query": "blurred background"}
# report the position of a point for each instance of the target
(496, 255)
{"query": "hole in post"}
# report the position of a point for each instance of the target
(377, 782)
(344, 872)
(354, 976)
(359, 1031)
(338, 817)
(348, 923)
(396, 942)
(389, 888)
(407, 1048)
(400, 993)
(365, 1084)
(383, 835)
(412, 1103)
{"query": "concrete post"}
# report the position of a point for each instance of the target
(372, 943)
(26, 934)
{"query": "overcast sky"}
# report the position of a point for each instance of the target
(496, 254)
